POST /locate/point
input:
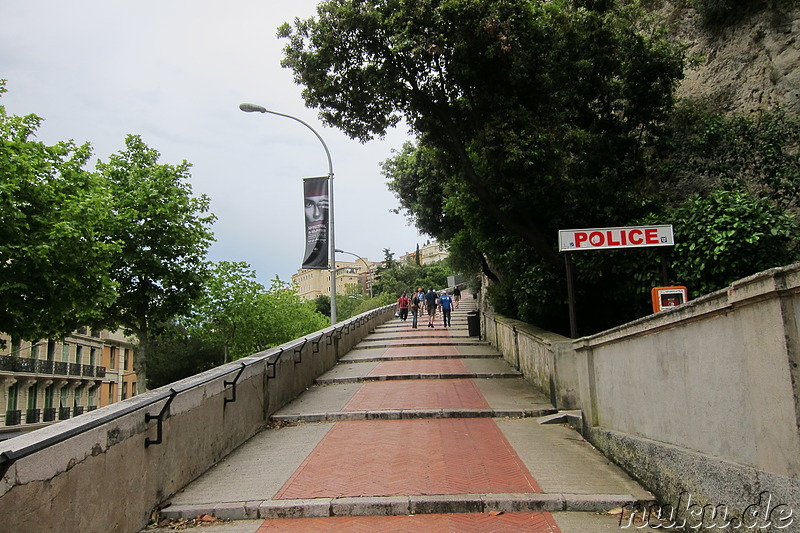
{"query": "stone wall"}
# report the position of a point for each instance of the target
(104, 471)
(701, 399)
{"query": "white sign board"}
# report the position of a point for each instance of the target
(571, 240)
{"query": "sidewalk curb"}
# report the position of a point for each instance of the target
(404, 505)
(408, 414)
(408, 377)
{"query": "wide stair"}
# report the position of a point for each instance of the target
(423, 429)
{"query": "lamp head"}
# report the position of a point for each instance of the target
(250, 108)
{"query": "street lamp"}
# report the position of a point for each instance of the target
(369, 270)
(251, 108)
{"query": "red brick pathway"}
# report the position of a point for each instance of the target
(425, 366)
(456, 523)
(410, 457)
(417, 394)
(420, 351)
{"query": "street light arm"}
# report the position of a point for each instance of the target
(369, 269)
(255, 108)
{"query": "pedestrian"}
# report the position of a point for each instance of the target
(402, 306)
(456, 297)
(414, 309)
(446, 302)
(431, 301)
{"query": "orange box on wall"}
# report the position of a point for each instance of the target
(668, 297)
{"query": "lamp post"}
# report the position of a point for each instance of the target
(369, 270)
(251, 108)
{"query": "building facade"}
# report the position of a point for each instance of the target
(429, 253)
(351, 277)
(51, 380)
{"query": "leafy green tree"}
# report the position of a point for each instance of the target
(163, 233)
(227, 313)
(702, 150)
(54, 253)
(284, 316)
(729, 235)
(322, 304)
(175, 354)
(536, 111)
(409, 276)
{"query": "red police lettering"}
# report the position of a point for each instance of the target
(651, 236)
(596, 238)
(580, 237)
(632, 234)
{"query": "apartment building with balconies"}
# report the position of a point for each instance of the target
(56, 379)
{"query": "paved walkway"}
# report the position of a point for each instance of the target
(422, 429)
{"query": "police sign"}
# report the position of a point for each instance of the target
(571, 240)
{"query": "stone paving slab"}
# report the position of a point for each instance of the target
(506, 394)
(417, 352)
(352, 369)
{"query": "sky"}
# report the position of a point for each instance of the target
(175, 72)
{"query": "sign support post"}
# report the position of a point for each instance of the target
(573, 320)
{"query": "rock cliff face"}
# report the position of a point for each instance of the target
(746, 63)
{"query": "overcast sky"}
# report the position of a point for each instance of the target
(175, 72)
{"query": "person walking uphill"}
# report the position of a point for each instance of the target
(402, 304)
(447, 303)
(431, 301)
(414, 308)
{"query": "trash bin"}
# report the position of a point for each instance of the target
(474, 324)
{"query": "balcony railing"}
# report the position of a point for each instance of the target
(10, 363)
(49, 414)
(13, 417)
(63, 413)
(32, 416)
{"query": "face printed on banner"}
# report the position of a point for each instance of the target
(316, 209)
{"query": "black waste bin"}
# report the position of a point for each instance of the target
(474, 324)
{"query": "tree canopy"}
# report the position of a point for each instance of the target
(536, 116)
(54, 252)
(531, 108)
(163, 232)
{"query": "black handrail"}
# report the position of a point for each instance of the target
(10, 454)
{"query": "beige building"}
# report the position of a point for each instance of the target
(352, 277)
(429, 253)
(51, 380)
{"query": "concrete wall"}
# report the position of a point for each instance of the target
(701, 398)
(94, 473)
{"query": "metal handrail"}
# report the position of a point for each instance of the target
(9, 454)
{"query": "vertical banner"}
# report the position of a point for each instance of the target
(315, 192)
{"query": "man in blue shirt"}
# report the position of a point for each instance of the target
(446, 302)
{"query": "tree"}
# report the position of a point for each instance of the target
(729, 235)
(535, 110)
(284, 316)
(163, 233)
(227, 312)
(54, 254)
(174, 354)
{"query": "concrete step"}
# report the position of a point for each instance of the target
(409, 414)
(404, 505)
